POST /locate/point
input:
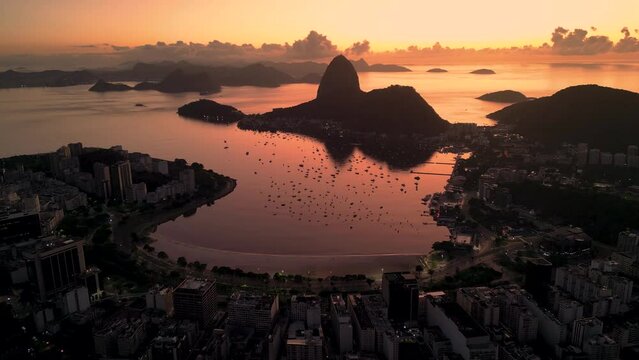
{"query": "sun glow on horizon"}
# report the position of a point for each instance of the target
(44, 26)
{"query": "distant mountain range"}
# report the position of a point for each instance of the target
(600, 116)
(314, 70)
(261, 74)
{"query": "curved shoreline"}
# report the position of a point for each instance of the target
(144, 224)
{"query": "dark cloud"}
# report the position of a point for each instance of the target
(314, 46)
(359, 48)
(87, 46)
(577, 42)
(627, 43)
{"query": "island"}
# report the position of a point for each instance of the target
(600, 116)
(210, 111)
(483, 72)
(362, 66)
(437, 70)
(392, 124)
(504, 96)
(103, 86)
(176, 82)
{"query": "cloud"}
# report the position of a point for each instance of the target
(358, 48)
(627, 43)
(577, 42)
(314, 46)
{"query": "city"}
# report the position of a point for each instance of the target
(201, 180)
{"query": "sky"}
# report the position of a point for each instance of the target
(46, 27)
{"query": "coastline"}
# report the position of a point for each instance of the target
(145, 224)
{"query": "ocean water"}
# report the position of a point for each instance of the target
(299, 206)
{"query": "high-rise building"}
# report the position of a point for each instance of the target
(303, 343)
(584, 329)
(256, 311)
(160, 299)
(306, 308)
(538, 276)
(121, 178)
(56, 266)
(102, 176)
(594, 156)
(363, 330)
(467, 336)
(195, 299)
(401, 293)
(75, 149)
(601, 347)
(342, 327)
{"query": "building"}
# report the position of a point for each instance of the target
(306, 308)
(303, 343)
(75, 149)
(256, 311)
(438, 344)
(102, 178)
(342, 327)
(195, 299)
(401, 293)
(385, 338)
(160, 166)
(160, 299)
(594, 156)
(601, 347)
(628, 241)
(584, 329)
(363, 330)
(121, 179)
(187, 177)
(120, 338)
(626, 334)
(56, 265)
(136, 193)
(19, 226)
(466, 335)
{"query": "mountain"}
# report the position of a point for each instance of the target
(504, 96)
(483, 72)
(251, 75)
(312, 78)
(103, 86)
(301, 69)
(180, 81)
(437, 70)
(600, 116)
(210, 111)
(145, 85)
(394, 110)
(47, 78)
(362, 66)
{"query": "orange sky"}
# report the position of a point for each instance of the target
(37, 26)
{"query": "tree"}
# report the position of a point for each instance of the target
(162, 255)
(181, 261)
